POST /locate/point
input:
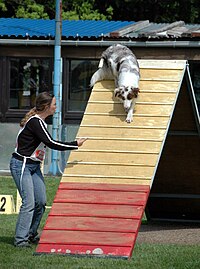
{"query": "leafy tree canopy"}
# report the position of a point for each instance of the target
(126, 10)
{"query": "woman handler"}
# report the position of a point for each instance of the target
(25, 163)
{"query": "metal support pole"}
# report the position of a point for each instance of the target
(57, 82)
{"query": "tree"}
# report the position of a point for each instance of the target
(153, 10)
(81, 10)
(2, 6)
(71, 10)
(126, 10)
(31, 10)
(22, 9)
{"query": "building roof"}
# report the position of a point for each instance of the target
(10, 27)
(100, 33)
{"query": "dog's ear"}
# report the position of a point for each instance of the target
(135, 91)
(117, 67)
(117, 91)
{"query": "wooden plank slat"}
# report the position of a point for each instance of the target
(143, 97)
(104, 85)
(137, 146)
(159, 74)
(158, 87)
(91, 224)
(102, 179)
(112, 158)
(125, 133)
(142, 122)
(148, 127)
(105, 187)
(96, 210)
(100, 197)
(159, 97)
(162, 64)
(117, 109)
(110, 170)
(87, 238)
(144, 85)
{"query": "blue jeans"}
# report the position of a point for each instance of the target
(32, 190)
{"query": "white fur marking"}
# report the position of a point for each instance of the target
(101, 63)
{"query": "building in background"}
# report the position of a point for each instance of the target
(26, 66)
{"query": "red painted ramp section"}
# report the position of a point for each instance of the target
(94, 219)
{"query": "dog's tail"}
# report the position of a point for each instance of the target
(102, 73)
(101, 62)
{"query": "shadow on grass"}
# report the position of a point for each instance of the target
(8, 240)
(167, 225)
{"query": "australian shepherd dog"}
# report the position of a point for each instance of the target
(119, 63)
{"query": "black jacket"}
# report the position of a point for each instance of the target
(34, 137)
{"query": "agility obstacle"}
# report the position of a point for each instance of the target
(103, 193)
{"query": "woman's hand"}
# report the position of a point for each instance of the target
(80, 141)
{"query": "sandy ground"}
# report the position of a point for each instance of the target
(169, 232)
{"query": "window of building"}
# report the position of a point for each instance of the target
(77, 86)
(24, 77)
(79, 83)
(28, 77)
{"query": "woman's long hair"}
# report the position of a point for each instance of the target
(42, 101)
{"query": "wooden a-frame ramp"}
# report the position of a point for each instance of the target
(103, 192)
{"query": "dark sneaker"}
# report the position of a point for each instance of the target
(24, 244)
(34, 239)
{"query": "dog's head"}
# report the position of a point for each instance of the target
(126, 95)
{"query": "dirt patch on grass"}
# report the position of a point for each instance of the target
(169, 233)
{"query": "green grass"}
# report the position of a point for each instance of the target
(145, 256)
(7, 186)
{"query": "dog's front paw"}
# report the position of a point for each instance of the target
(129, 119)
